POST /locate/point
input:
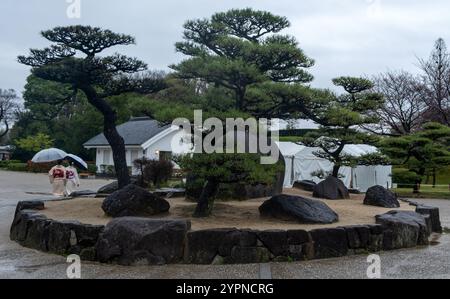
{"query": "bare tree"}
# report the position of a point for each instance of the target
(436, 77)
(8, 109)
(404, 104)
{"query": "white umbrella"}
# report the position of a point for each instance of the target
(49, 155)
(77, 160)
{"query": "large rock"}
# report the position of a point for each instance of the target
(331, 188)
(403, 229)
(134, 201)
(433, 212)
(305, 185)
(134, 241)
(379, 196)
(113, 187)
(299, 209)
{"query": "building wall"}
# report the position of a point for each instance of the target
(175, 142)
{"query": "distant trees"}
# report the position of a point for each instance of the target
(36, 143)
(404, 103)
(413, 100)
(73, 59)
(8, 110)
(421, 152)
(436, 77)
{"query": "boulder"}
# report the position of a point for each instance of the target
(305, 185)
(134, 201)
(379, 196)
(299, 209)
(135, 241)
(433, 212)
(329, 242)
(113, 187)
(331, 188)
(403, 229)
(109, 189)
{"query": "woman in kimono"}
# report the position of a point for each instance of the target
(73, 180)
(57, 177)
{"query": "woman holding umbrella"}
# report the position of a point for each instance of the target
(57, 177)
(73, 180)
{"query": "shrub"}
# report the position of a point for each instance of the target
(92, 168)
(158, 172)
(5, 163)
(39, 168)
(404, 178)
(17, 167)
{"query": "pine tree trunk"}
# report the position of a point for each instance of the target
(206, 199)
(119, 153)
(336, 171)
(114, 139)
(434, 178)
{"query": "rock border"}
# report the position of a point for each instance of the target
(227, 245)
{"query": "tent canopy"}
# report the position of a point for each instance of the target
(289, 149)
(304, 162)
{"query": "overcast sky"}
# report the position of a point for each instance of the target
(345, 37)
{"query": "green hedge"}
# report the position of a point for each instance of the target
(404, 178)
(17, 167)
(4, 164)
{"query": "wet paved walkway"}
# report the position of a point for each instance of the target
(19, 262)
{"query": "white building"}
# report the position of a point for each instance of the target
(5, 152)
(143, 137)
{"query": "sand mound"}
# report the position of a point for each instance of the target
(225, 215)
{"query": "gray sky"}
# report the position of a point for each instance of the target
(345, 37)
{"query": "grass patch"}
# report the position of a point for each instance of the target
(439, 192)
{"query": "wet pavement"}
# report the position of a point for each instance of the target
(19, 262)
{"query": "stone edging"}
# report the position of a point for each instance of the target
(166, 241)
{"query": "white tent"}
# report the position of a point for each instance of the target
(304, 163)
(289, 150)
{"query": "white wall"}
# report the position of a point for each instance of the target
(175, 142)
